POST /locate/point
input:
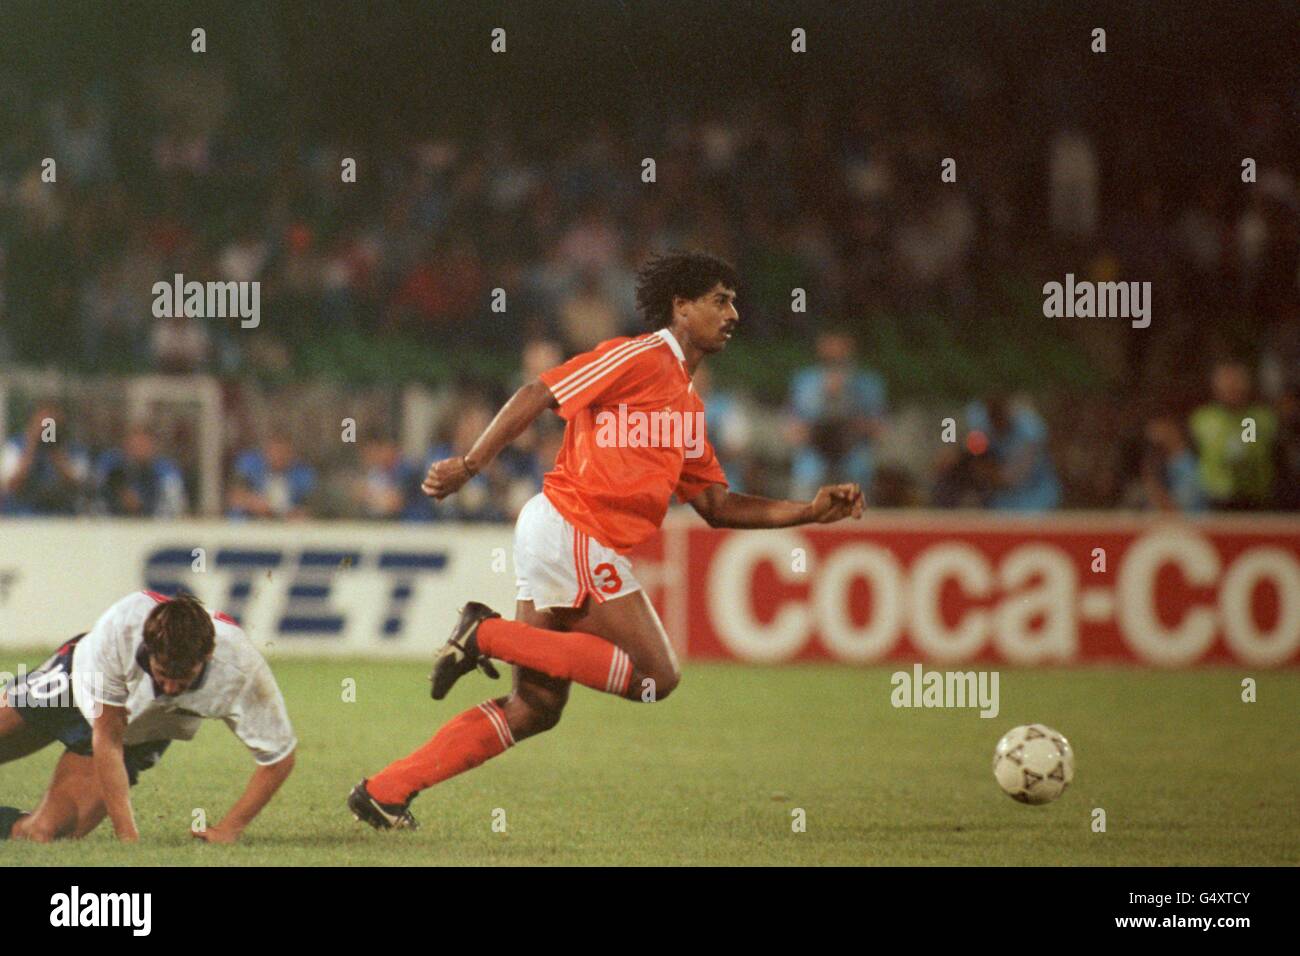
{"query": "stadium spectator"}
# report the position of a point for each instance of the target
(135, 481)
(488, 496)
(587, 316)
(593, 243)
(535, 450)
(729, 426)
(387, 486)
(444, 289)
(270, 482)
(1235, 437)
(42, 472)
(932, 252)
(1012, 466)
(1074, 184)
(539, 355)
(80, 131)
(838, 411)
(895, 487)
(956, 484)
(180, 344)
(1170, 480)
(115, 311)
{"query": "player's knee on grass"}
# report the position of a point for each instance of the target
(40, 834)
(44, 829)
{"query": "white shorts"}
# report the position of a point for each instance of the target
(556, 565)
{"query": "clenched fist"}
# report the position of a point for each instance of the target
(834, 502)
(446, 477)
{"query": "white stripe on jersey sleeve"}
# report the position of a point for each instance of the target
(580, 379)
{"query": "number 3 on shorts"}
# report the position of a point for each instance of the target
(610, 582)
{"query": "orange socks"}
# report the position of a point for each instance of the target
(572, 655)
(463, 743)
(481, 732)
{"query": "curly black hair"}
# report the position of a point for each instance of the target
(686, 274)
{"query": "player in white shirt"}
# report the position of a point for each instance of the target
(150, 671)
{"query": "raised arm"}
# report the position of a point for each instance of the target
(727, 509)
(447, 476)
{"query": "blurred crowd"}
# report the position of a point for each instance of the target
(847, 206)
(844, 203)
(1236, 451)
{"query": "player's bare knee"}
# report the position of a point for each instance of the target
(534, 721)
(530, 715)
(545, 719)
(657, 685)
(40, 830)
(670, 683)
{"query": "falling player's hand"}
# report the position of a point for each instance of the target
(446, 477)
(215, 835)
(834, 502)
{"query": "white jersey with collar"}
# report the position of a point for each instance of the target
(236, 687)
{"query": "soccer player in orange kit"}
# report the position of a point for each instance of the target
(634, 437)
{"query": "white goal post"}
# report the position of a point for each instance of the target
(197, 397)
(201, 396)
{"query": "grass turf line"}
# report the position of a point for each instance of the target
(1187, 773)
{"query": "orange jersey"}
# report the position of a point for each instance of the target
(635, 436)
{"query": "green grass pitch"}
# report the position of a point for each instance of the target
(1187, 773)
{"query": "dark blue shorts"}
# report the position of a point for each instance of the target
(43, 699)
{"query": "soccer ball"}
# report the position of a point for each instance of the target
(1033, 764)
